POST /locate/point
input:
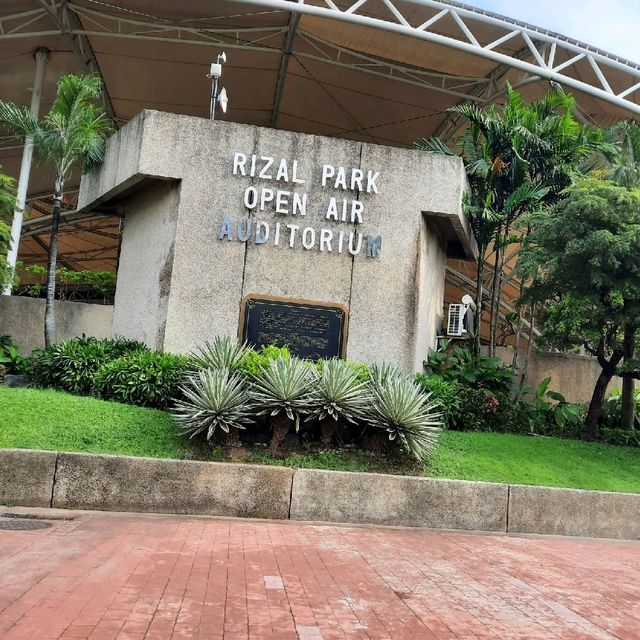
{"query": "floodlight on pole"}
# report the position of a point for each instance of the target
(218, 98)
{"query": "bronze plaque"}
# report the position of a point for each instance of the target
(311, 331)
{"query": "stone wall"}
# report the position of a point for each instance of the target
(119, 483)
(23, 319)
(574, 376)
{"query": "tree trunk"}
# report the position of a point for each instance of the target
(49, 310)
(479, 296)
(527, 354)
(493, 312)
(592, 426)
(327, 428)
(281, 426)
(516, 345)
(628, 409)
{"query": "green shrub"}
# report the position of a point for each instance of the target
(10, 357)
(479, 410)
(70, 365)
(214, 399)
(620, 437)
(460, 365)
(408, 415)
(445, 392)
(142, 377)
(254, 361)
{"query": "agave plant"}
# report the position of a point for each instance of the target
(408, 415)
(381, 374)
(213, 399)
(223, 353)
(283, 389)
(338, 394)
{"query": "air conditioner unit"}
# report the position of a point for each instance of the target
(460, 321)
(455, 324)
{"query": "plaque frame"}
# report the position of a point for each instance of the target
(258, 297)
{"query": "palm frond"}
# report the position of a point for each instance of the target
(432, 145)
(18, 121)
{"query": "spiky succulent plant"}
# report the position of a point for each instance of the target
(213, 399)
(222, 353)
(381, 374)
(283, 389)
(407, 414)
(338, 393)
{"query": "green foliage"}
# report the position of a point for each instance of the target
(552, 410)
(407, 414)
(478, 372)
(10, 357)
(284, 385)
(70, 365)
(254, 361)
(142, 377)
(338, 393)
(30, 280)
(445, 392)
(223, 353)
(382, 374)
(213, 399)
(612, 410)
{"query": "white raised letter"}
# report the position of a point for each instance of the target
(266, 195)
(356, 211)
(283, 171)
(328, 171)
(300, 204)
(326, 235)
(292, 228)
(268, 162)
(282, 202)
(250, 197)
(371, 181)
(294, 173)
(308, 237)
(332, 210)
(239, 160)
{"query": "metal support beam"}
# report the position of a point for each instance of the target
(284, 64)
(42, 57)
(68, 22)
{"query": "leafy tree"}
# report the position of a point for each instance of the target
(586, 262)
(624, 169)
(7, 203)
(518, 158)
(71, 134)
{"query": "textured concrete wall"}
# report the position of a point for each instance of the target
(26, 477)
(23, 320)
(146, 259)
(115, 483)
(570, 512)
(573, 376)
(112, 483)
(335, 496)
(395, 301)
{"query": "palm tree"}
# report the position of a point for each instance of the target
(71, 134)
(518, 158)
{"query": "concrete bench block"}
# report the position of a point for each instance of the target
(26, 477)
(112, 483)
(335, 496)
(574, 512)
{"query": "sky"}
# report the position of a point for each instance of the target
(612, 25)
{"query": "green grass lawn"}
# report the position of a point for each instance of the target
(44, 419)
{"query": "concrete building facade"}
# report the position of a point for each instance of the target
(218, 215)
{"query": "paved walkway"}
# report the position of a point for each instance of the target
(129, 577)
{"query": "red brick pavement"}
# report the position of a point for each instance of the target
(128, 577)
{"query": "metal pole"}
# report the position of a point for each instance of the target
(42, 57)
(214, 99)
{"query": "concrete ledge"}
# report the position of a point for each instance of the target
(26, 477)
(574, 512)
(115, 483)
(111, 483)
(335, 496)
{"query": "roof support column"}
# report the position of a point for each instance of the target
(284, 64)
(42, 57)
